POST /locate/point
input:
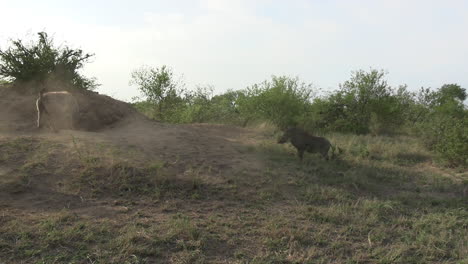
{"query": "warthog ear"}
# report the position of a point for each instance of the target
(287, 128)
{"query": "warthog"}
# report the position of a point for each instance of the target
(303, 141)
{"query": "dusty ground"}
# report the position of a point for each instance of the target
(39, 169)
(179, 147)
(138, 191)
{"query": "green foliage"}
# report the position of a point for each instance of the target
(363, 104)
(163, 94)
(427, 104)
(198, 105)
(156, 84)
(452, 141)
(283, 101)
(451, 93)
(40, 61)
(444, 123)
(225, 108)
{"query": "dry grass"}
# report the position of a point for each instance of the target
(381, 201)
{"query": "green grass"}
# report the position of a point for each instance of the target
(381, 201)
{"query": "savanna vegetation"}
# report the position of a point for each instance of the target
(41, 61)
(364, 104)
(177, 191)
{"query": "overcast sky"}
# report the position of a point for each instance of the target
(231, 44)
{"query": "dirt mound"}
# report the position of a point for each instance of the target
(79, 110)
(98, 111)
(17, 111)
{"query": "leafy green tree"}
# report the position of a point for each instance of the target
(226, 109)
(448, 100)
(199, 105)
(444, 123)
(452, 147)
(448, 137)
(161, 90)
(40, 61)
(365, 103)
(449, 93)
(282, 101)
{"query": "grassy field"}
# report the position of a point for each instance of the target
(381, 201)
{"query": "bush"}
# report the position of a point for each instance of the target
(41, 61)
(444, 123)
(284, 101)
(453, 147)
(199, 107)
(225, 108)
(164, 95)
(363, 104)
(448, 137)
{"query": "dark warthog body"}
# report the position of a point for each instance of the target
(303, 141)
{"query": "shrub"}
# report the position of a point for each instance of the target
(164, 95)
(448, 137)
(40, 61)
(225, 108)
(363, 104)
(444, 125)
(283, 101)
(199, 107)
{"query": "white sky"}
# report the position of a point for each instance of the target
(234, 44)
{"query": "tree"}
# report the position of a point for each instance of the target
(225, 107)
(160, 89)
(282, 101)
(448, 100)
(365, 103)
(449, 93)
(444, 123)
(40, 61)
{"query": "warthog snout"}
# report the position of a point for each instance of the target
(282, 139)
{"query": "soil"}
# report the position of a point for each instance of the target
(103, 120)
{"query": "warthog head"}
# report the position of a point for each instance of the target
(286, 136)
